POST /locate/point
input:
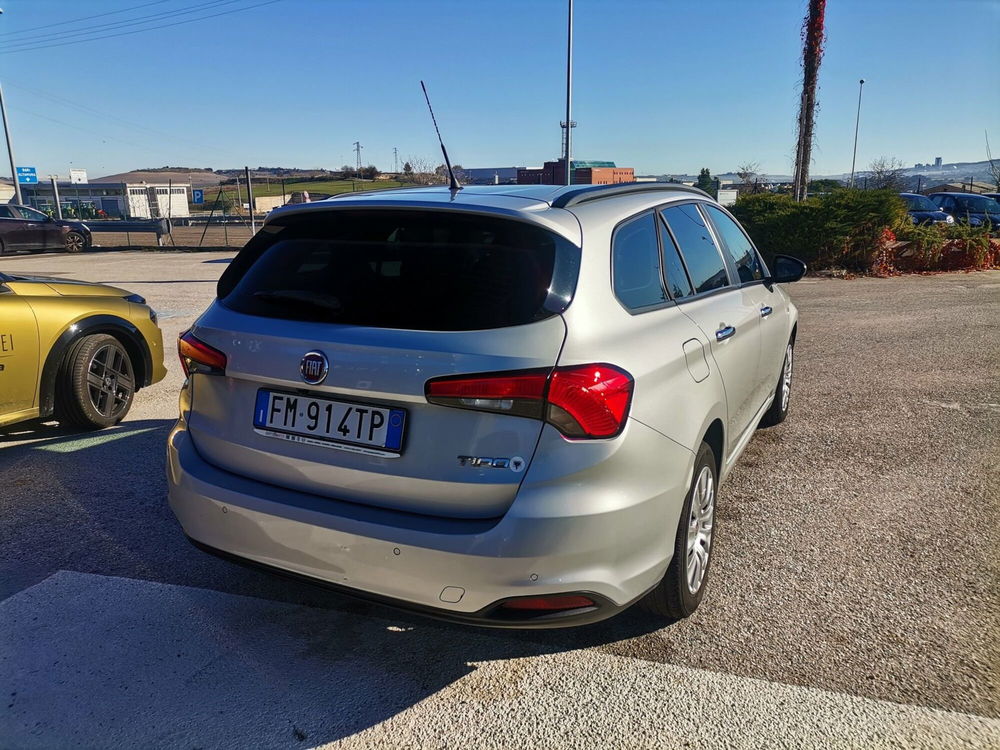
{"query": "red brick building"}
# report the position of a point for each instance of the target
(584, 173)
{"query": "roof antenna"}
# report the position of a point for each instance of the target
(453, 183)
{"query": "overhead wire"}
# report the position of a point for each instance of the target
(139, 31)
(84, 18)
(113, 119)
(102, 28)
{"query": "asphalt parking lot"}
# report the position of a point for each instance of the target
(854, 601)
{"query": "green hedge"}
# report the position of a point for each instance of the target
(845, 228)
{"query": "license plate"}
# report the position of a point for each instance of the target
(358, 428)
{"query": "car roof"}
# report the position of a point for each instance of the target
(538, 204)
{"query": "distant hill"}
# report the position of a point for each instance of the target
(197, 177)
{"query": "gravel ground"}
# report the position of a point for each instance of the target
(859, 542)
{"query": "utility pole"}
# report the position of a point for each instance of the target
(55, 195)
(357, 152)
(857, 122)
(10, 151)
(395, 160)
(569, 95)
(253, 221)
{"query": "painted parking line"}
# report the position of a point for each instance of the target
(94, 661)
(90, 440)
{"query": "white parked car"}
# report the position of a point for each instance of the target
(508, 406)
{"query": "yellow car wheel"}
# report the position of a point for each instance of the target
(96, 383)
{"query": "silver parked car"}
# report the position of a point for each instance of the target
(507, 406)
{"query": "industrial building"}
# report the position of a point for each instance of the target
(584, 173)
(490, 175)
(111, 199)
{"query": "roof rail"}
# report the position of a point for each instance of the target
(585, 193)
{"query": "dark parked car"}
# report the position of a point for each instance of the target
(922, 210)
(969, 208)
(24, 228)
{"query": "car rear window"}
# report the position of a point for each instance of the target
(418, 270)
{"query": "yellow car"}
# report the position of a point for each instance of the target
(74, 351)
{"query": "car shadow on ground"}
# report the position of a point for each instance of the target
(94, 502)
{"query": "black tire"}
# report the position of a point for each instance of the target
(779, 406)
(3, 248)
(673, 598)
(74, 242)
(96, 383)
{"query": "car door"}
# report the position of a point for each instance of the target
(46, 233)
(13, 229)
(773, 309)
(18, 353)
(728, 316)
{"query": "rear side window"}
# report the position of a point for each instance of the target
(677, 278)
(738, 246)
(428, 270)
(636, 263)
(704, 263)
(6, 213)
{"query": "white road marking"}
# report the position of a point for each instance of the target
(94, 661)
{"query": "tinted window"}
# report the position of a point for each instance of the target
(738, 246)
(636, 262)
(6, 213)
(30, 213)
(704, 263)
(919, 203)
(977, 204)
(392, 269)
(677, 278)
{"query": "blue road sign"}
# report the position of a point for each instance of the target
(27, 175)
(197, 196)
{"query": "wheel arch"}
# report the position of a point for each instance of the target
(715, 436)
(127, 333)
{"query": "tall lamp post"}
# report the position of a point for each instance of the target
(569, 96)
(857, 123)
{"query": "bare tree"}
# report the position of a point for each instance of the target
(994, 166)
(423, 170)
(812, 54)
(749, 174)
(885, 173)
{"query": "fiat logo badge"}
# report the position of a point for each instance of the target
(314, 367)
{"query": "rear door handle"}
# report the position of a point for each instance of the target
(765, 311)
(724, 333)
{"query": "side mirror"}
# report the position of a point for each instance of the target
(786, 269)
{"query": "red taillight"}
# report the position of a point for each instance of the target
(589, 400)
(583, 401)
(549, 603)
(197, 356)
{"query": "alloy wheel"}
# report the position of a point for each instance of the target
(700, 523)
(74, 242)
(110, 381)
(786, 379)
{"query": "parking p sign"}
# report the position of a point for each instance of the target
(197, 197)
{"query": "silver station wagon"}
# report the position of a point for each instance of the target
(509, 406)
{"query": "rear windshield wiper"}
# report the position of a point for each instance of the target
(300, 297)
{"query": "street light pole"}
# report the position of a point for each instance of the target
(10, 150)
(857, 123)
(569, 96)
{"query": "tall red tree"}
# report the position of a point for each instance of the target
(813, 36)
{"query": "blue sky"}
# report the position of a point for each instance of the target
(662, 85)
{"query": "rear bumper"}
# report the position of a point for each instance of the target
(455, 569)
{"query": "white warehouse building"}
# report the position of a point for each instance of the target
(114, 200)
